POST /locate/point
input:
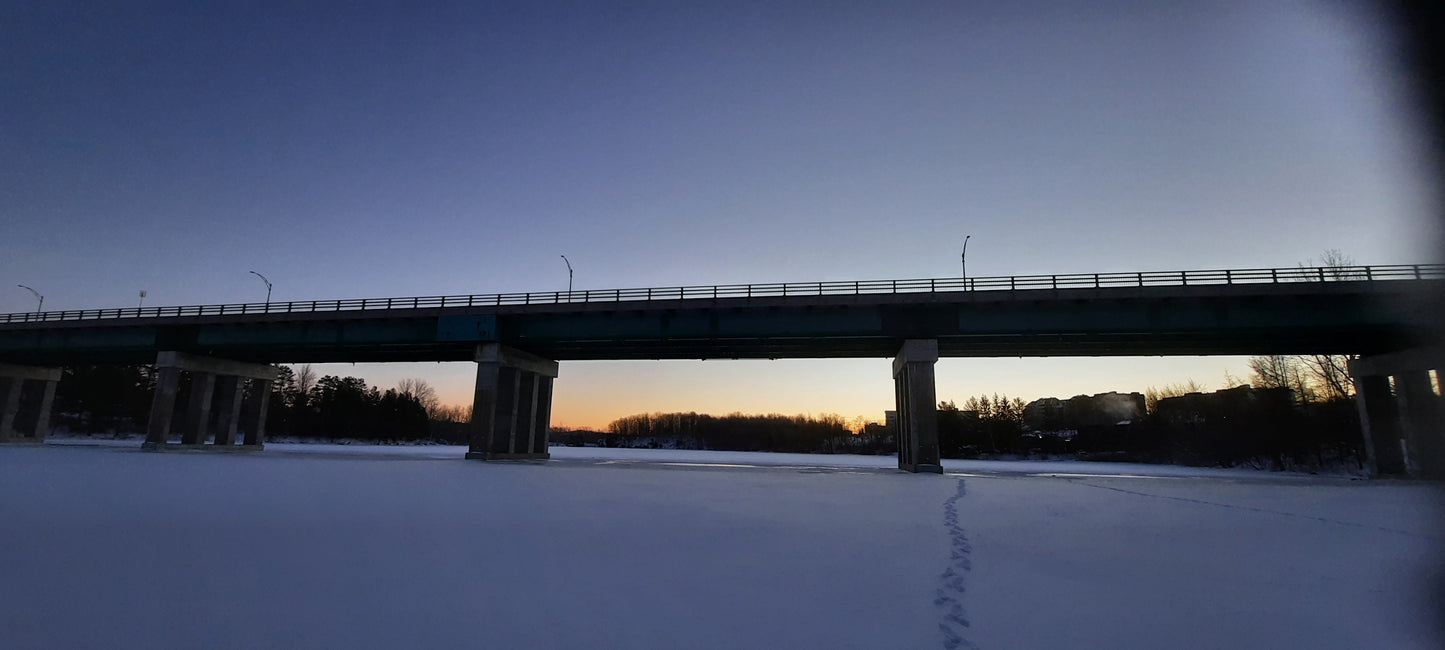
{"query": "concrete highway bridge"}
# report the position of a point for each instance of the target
(1385, 315)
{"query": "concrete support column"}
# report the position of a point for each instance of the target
(256, 434)
(229, 391)
(13, 382)
(47, 401)
(198, 410)
(163, 407)
(1379, 424)
(543, 417)
(484, 409)
(917, 406)
(206, 375)
(1418, 415)
(1404, 430)
(512, 406)
(10, 388)
(524, 414)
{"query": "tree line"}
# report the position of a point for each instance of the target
(1297, 412)
(345, 407)
(117, 399)
(733, 432)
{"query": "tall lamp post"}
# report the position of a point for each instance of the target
(965, 260)
(569, 276)
(268, 286)
(40, 307)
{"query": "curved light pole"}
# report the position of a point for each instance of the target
(964, 260)
(40, 307)
(569, 276)
(268, 286)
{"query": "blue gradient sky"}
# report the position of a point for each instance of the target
(373, 149)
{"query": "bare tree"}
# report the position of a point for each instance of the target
(423, 392)
(456, 413)
(1330, 375)
(1281, 371)
(305, 378)
(1332, 265)
(1273, 371)
(1337, 265)
(1152, 395)
(1324, 376)
(1331, 372)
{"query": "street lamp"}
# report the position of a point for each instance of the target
(964, 260)
(268, 286)
(569, 277)
(40, 307)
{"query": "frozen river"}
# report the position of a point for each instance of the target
(385, 547)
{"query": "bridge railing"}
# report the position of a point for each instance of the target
(833, 288)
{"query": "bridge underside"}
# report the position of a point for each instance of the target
(976, 345)
(1321, 318)
(1015, 345)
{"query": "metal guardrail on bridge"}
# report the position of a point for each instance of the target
(837, 288)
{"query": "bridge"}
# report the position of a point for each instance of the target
(1382, 314)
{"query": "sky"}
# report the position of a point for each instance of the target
(400, 149)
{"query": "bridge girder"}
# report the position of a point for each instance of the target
(1308, 318)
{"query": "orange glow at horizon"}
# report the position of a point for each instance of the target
(590, 394)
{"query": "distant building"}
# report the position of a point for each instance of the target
(890, 418)
(1044, 414)
(1238, 403)
(1051, 414)
(1106, 409)
(875, 429)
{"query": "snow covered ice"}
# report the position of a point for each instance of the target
(389, 547)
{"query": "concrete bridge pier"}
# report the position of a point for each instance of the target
(917, 406)
(18, 424)
(217, 390)
(1404, 423)
(512, 407)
